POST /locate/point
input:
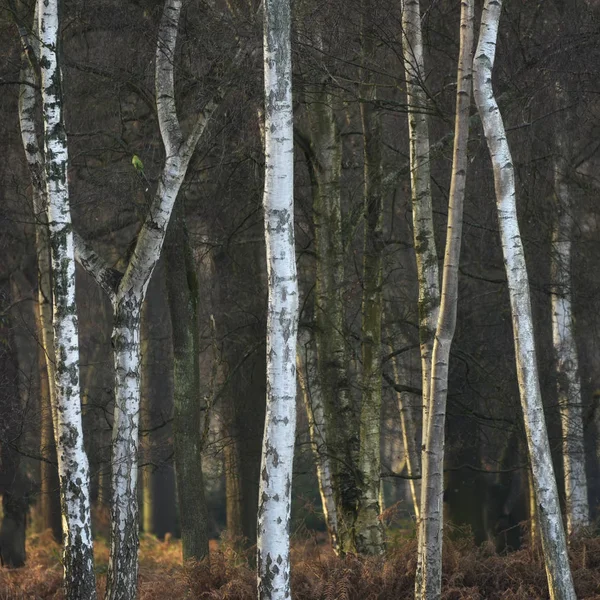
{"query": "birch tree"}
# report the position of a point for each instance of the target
(424, 240)
(323, 149)
(310, 385)
(73, 467)
(429, 579)
(420, 183)
(560, 582)
(127, 292)
(369, 527)
(28, 106)
(273, 552)
(565, 348)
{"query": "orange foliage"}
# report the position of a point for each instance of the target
(470, 573)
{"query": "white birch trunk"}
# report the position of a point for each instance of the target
(424, 240)
(560, 582)
(308, 378)
(425, 250)
(369, 527)
(273, 551)
(72, 461)
(127, 292)
(565, 347)
(428, 584)
(28, 106)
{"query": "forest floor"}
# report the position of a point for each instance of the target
(470, 572)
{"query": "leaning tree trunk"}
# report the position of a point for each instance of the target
(369, 526)
(560, 582)
(182, 287)
(28, 106)
(308, 378)
(340, 413)
(275, 499)
(428, 584)
(565, 347)
(80, 581)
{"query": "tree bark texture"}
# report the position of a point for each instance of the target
(73, 467)
(424, 240)
(273, 555)
(420, 180)
(565, 347)
(182, 287)
(369, 527)
(159, 497)
(28, 105)
(560, 582)
(340, 412)
(428, 583)
(308, 378)
(412, 452)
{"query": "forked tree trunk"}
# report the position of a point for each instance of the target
(80, 581)
(127, 292)
(429, 579)
(424, 240)
(369, 527)
(565, 347)
(308, 378)
(275, 500)
(560, 582)
(420, 182)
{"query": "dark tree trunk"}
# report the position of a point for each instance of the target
(182, 287)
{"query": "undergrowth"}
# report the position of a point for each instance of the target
(470, 572)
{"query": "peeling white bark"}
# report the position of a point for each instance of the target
(560, 582)
(565, 347)
(273, 552)
(308, 379)
(73, 466)
(429, 578)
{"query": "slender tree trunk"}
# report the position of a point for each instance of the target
(273, 556)
(409, 434)
(425, 250)
(13, 482)
(49, 483)
(160, 497)
(340, 413)
(560, 582)
(369, 527)
(182, 286)
(429, 579)
(28, 104)
(565, 347)
(308, 378)
(73, 467)
(424, 240)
